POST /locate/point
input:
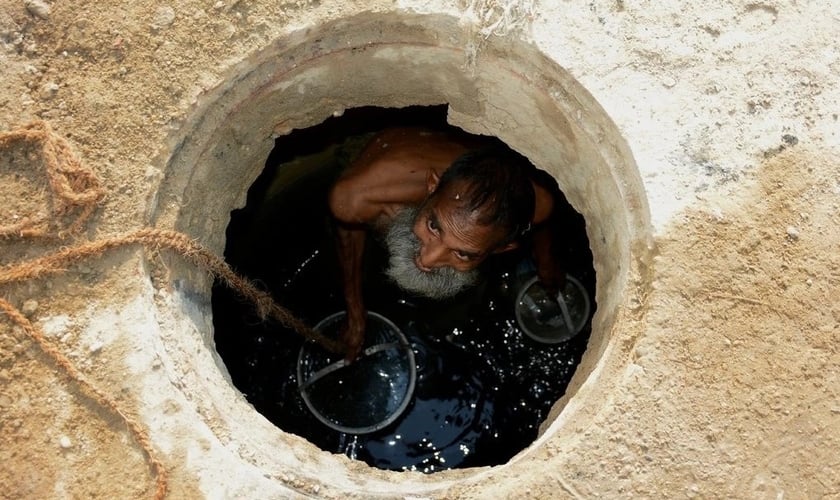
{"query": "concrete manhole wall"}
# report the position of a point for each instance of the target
(507, 89)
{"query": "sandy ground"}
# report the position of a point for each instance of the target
(732, 388)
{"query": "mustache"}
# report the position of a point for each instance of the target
(403, 248)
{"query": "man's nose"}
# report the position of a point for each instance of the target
(431, 256)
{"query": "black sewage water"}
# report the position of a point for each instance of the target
(483, 387)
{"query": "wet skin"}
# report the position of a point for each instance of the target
(401, 168)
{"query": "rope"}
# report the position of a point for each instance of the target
(61, 360)
(76, 188)
(181, 244)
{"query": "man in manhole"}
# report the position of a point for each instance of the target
(443, 203)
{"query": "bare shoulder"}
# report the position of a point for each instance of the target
(391, 171)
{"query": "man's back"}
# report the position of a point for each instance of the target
(393, 172)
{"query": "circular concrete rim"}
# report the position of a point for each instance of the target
(506, 88)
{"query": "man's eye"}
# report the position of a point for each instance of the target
(462, 256)
(433, 227)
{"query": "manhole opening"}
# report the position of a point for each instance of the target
(483, 387)
(512, 91)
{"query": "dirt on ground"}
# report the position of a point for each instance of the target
(745, 314)
(741, 347)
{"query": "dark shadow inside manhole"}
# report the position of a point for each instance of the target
(483, 387)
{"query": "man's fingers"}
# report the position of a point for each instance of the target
(354, 349)
(352, 354)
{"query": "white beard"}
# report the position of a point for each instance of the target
(403, 247)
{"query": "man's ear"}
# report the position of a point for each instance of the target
(432, 181)
(506, 248)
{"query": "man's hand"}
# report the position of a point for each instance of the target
(353, 336)
(552, 276)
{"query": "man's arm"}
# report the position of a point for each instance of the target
(550, 267)
(351, 247)
(548, 233)
(352, 215)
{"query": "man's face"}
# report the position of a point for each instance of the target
(404, 248)
(435, 250)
